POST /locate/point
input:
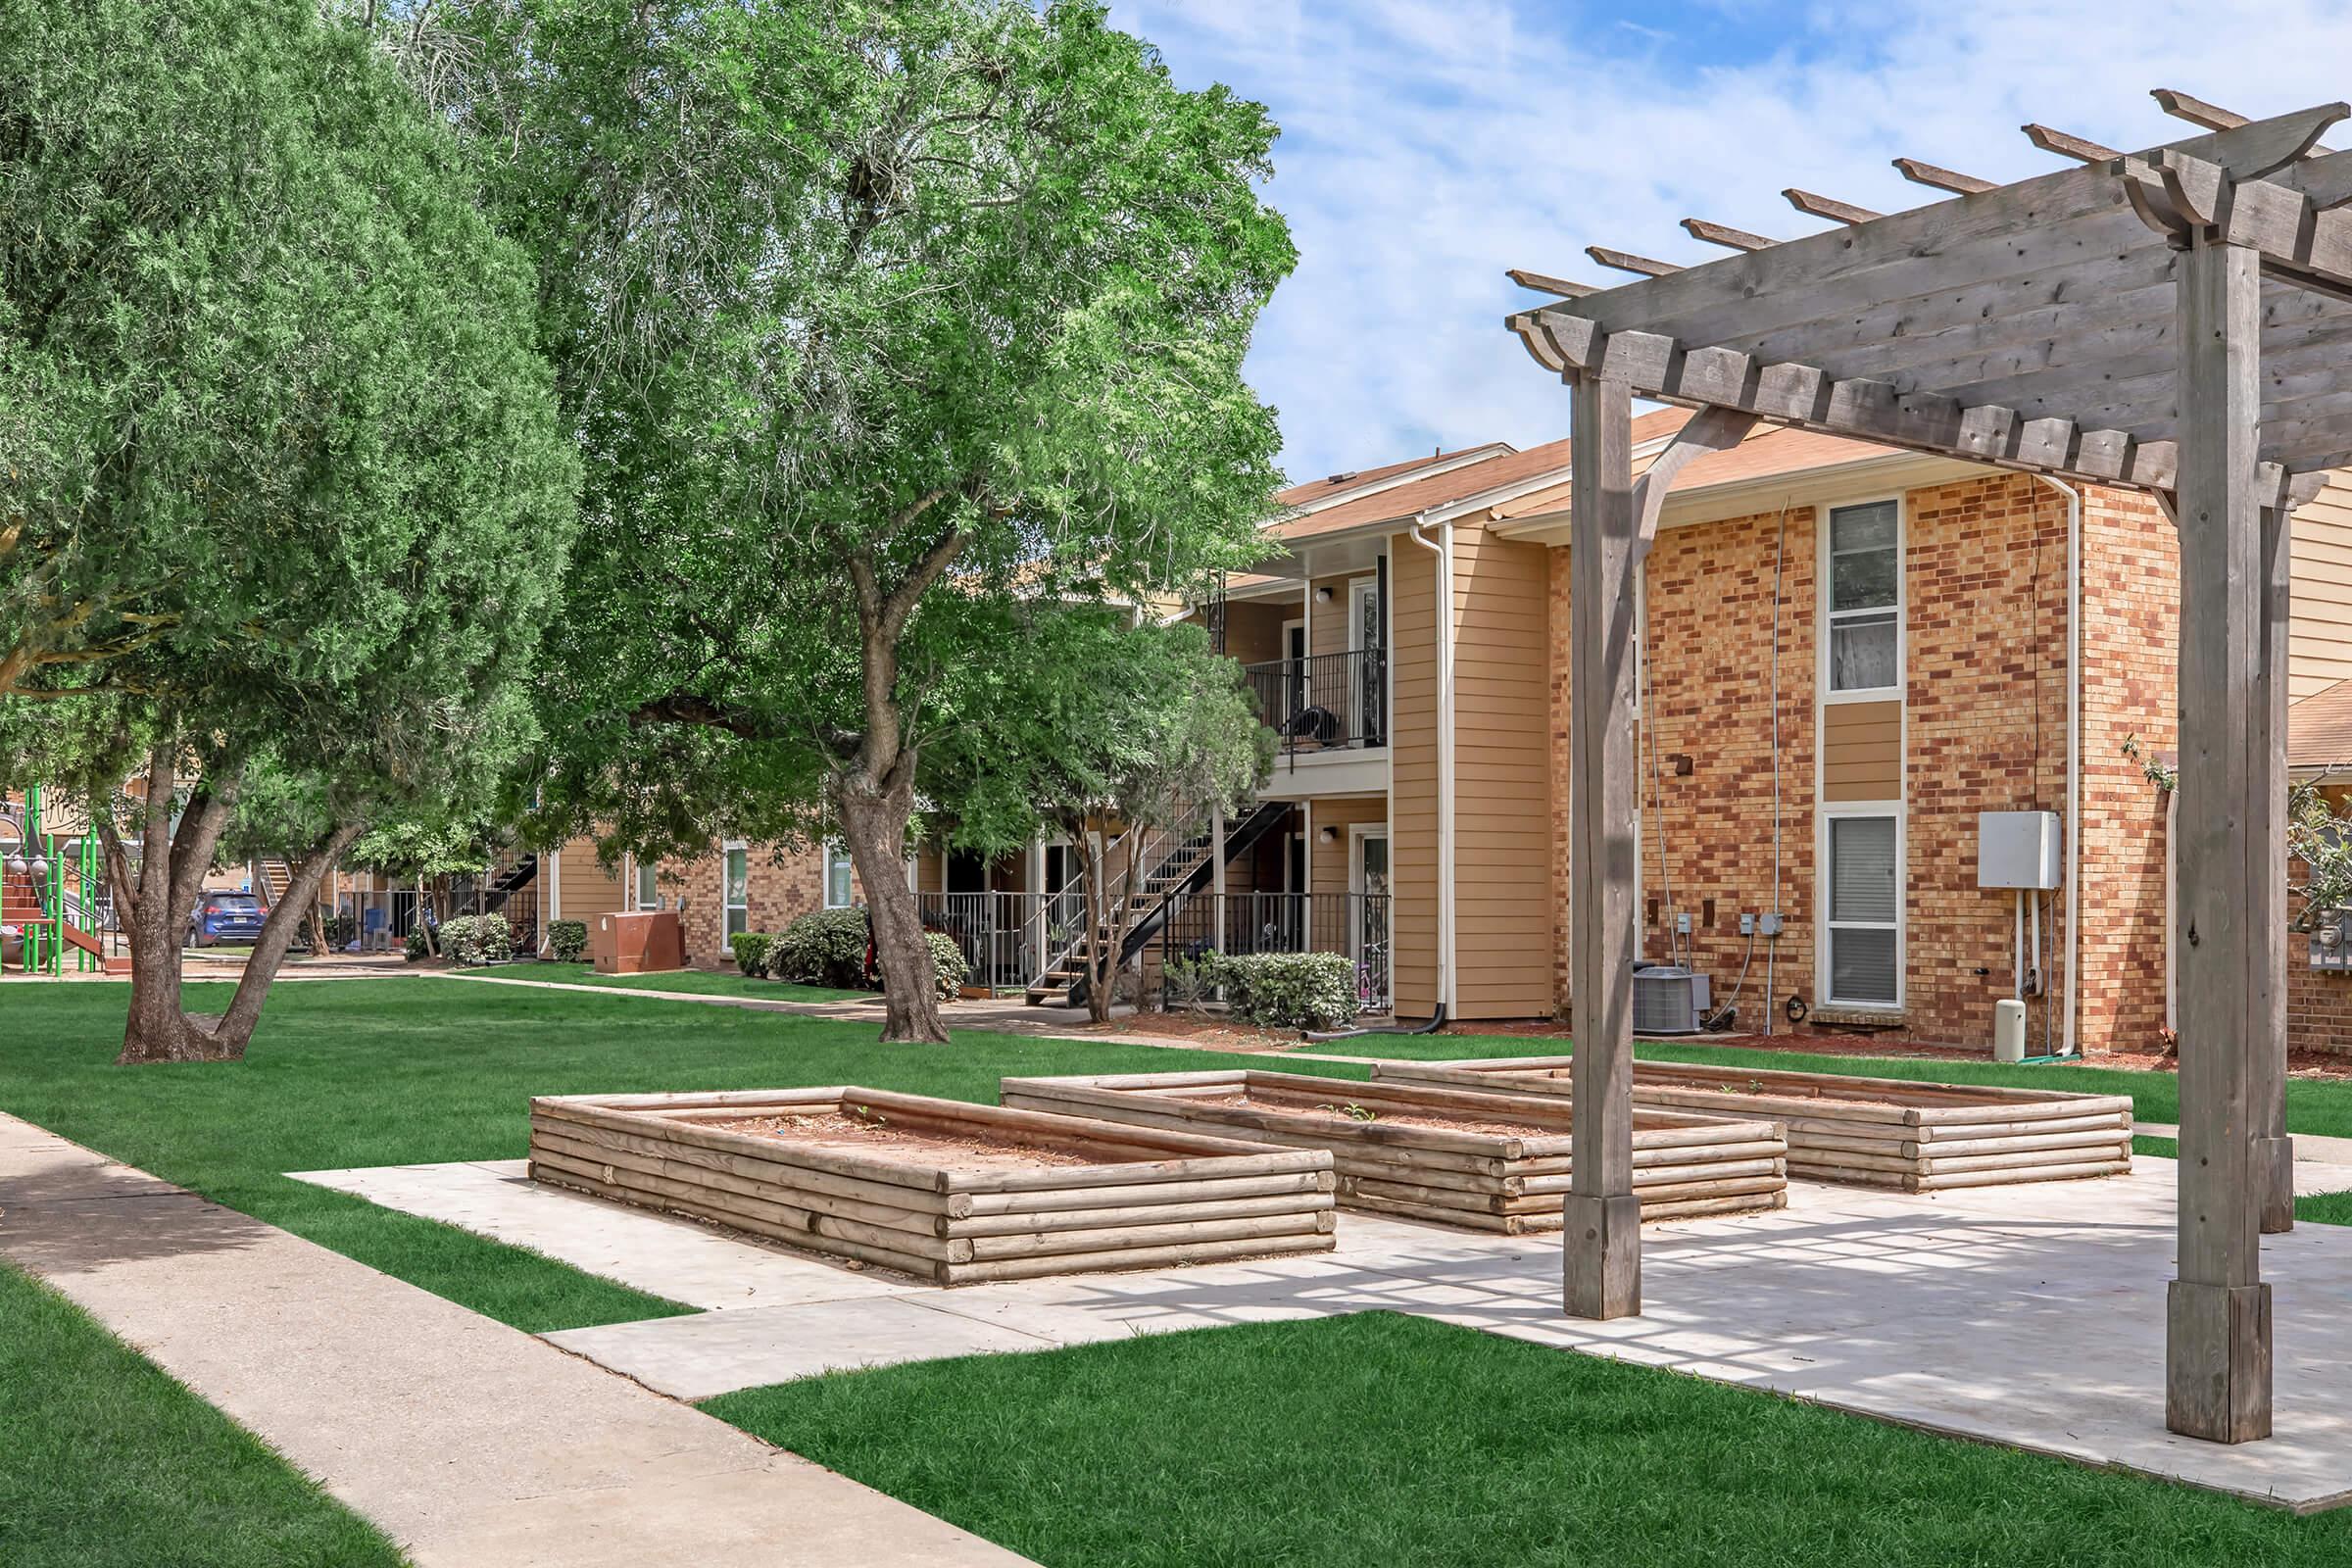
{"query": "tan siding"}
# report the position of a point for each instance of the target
(1862, 751)
(1334, 862)
(586, 889)
(1327, 625)
(1413, 778)
(2319, 634)
(1504, 916)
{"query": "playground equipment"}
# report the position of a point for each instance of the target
(53, 893)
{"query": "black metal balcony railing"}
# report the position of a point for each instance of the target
(1327, 703)
(1239, 923)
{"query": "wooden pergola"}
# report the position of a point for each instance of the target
(2176, 320)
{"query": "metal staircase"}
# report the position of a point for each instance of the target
(1178, 860)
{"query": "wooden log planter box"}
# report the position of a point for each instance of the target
(953, 1193)
(1458, 1157)
(1868, 1132)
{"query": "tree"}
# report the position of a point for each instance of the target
(295, 500)
(1143, 732)
(879, 321)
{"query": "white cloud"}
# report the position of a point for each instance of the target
(1429, 144)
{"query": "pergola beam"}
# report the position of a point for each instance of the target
(1545, 283)
(1940, 178)
(1829, 207)
(1628, 262)
(1730, 238)
(2080, 148)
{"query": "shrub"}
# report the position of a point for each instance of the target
(341, 931)
(1292, 990)
(826, 948)
(474, 939)
(415, 946)
(750, 950)
(567, 940)
(1187, 983)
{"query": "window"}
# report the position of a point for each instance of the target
(649, 890)
(1864, 568)
(736, 891)
(1864, 909)
(838, 886)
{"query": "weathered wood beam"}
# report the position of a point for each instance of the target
(2019, 230)
(2196, 111)
(1545, 283)
(2299, 239)
(2273, 1153)
(2218, 1317)
(1940, 178)
(1738, 239)
(2325, 178)
(1806, 202)
(2080, 148)
(1628, 262)
(1715, 428)
(1600, 1244)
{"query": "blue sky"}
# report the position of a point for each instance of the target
(1429, 144)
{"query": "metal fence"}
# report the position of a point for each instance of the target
(1239, 923)
(1327, 703)
(1007, 939)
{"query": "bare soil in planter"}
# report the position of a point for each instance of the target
(837, 1133)
(1285, 1106)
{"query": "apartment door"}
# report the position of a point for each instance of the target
(1368, 914)
(1366, 638)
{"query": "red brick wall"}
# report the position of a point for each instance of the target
(778, 891)
(1985, 730)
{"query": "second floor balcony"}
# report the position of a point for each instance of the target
(1331, 702)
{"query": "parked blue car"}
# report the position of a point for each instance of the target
(225, 917)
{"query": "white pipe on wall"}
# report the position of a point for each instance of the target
(1443, 548)
(2074, 758)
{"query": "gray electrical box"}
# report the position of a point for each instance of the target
(2017, 850)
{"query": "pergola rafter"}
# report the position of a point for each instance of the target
(2176, 320)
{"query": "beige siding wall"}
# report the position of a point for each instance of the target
(1413, 777)
(2321, 634)
(1327, 624)
(1254, 630)
(584, 889)
(1862, 751)
(1334, 863)
(1505, 920)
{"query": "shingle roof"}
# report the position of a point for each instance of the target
(1770, 451)
(1313, 490)
(2318, 729)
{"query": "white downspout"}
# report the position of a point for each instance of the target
(1443, 548)
(2074, 758)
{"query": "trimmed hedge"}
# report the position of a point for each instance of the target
(567, 940)
(478, 938)
(946, 962)
(1290, 990)
(750, 948)
(825, 948)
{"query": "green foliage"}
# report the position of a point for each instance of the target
(948, 964)
(2318, 842)
(750, 948)
(567, 940)
(824, 947)
(473, 939)
(1290, 989)
(340, 931)
(891, 328)
(1188, 985)
(415, 947)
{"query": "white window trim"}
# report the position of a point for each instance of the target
(725, 849)
(1830, 811)
(1822, 614)
(825, 875)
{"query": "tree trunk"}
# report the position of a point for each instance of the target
(1118, 915)
(875, 828)
(172, 869)
(235, 1028)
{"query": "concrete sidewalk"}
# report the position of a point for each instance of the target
(471, 1444)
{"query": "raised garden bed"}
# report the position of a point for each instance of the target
(1461, 1157)
(950, 1192)
(1868, 1132)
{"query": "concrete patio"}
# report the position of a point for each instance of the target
(2030, 1316)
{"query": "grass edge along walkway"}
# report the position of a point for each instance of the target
(1401, 1441)
(109, 1462)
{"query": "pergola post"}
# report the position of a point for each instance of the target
(1602, 1244)
(2217, 1318)
(2274, 1150)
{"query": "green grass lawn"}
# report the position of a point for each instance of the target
(106, 1462)
(423, 1069)
(1409, 1443)
(699, 982)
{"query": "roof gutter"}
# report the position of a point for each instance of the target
(1443, 548)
